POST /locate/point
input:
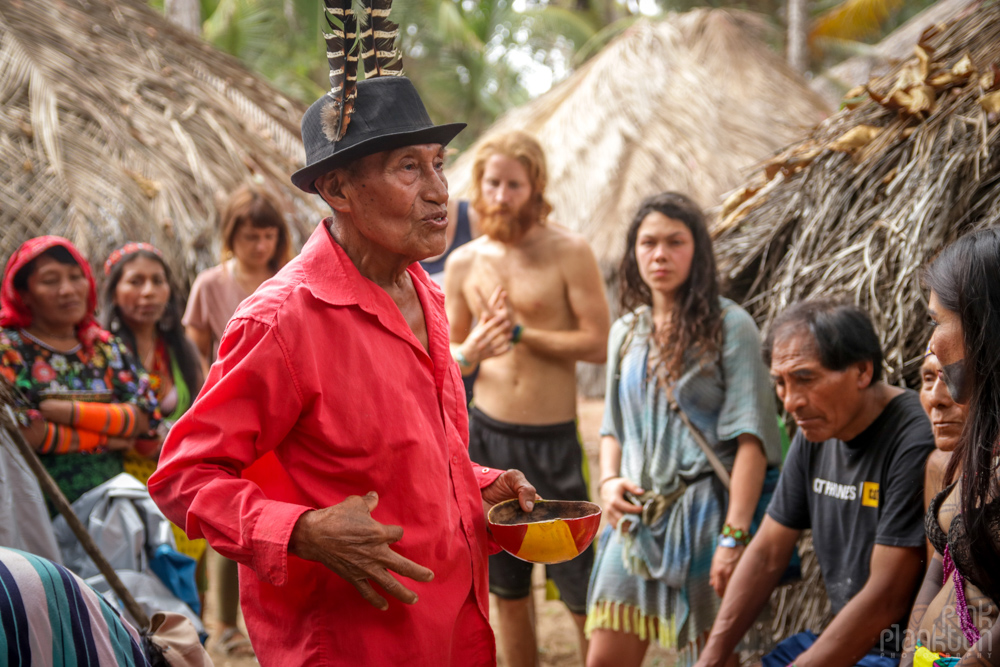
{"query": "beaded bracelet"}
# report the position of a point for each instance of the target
(740, 535)
(462, 360)
(516, 333)
(606, 478)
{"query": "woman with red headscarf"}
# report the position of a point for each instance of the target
(82, 399)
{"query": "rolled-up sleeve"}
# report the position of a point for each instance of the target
(249, 404)
(485, 476)
(749, 406)
(611, 424)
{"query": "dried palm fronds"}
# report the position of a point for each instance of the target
(895, 47)
(858, 207)
(118, 126)
(686, 104)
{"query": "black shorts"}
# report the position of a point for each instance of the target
(553, 460)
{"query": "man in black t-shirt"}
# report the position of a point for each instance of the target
(854, 475)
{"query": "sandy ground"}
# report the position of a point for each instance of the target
(556, 632)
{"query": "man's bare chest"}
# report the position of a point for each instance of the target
(533, 286)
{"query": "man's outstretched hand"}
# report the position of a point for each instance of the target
(511, 484)
(346, 539)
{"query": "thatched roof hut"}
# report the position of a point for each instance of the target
(686, 104)
(118, 126)
(895, 47)
(861, 204)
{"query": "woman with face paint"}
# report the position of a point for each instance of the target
(960, 617)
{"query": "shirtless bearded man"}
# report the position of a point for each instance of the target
(536, 295)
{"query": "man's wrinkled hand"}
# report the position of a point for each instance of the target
(511, 484)
(348, 541)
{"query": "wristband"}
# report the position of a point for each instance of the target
(606, 478)
(117, 419)
(738, 534)
(57, 440)
(60, 439)
(516, 333)
(462, 360)
(728, 542)
(88, 441)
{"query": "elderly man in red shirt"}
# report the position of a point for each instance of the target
(334, 425)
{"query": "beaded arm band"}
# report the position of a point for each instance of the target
(114, 419)
(740, 535)
(462, 360)
(65, 439)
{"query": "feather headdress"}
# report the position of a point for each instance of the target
(379, 53)
(356, 27)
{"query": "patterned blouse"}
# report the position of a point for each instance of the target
(105, 372)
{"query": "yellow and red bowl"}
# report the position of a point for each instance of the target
(554, 532)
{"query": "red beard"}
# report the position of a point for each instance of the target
(501, 224)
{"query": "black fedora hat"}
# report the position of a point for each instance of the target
(388, 114)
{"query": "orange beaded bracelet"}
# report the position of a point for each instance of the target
(115, 419)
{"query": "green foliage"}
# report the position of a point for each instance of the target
(467, 57)
(471, 59)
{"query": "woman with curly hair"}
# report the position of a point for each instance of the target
(82, 400)
(682, 359)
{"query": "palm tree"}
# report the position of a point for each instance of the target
(469, 57)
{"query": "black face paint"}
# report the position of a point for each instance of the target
(955, 379)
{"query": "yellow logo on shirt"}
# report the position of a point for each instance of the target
(869, 494)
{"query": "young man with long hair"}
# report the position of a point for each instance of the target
(535, 294)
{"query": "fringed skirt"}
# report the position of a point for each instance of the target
(677, 618)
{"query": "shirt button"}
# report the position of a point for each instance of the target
(454, 459)
(485, 470)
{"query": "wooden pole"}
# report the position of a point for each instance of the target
(52, 490)
(797, 43)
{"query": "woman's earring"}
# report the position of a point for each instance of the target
(166, 323)
(115, 325)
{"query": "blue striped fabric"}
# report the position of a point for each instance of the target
(655, 582)
(51, 618)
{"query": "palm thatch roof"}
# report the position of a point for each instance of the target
(895, 47)
(860, 205)
(118, 126)
(682, 104)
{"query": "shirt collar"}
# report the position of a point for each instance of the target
(331, 275)
(333, 278)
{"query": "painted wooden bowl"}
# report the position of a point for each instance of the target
(554, 532)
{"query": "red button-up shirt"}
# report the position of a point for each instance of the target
(322, 391)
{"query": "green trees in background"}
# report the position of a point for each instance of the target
(474, 59)
(470, 59)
